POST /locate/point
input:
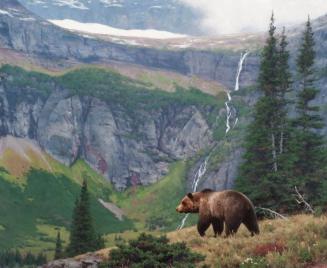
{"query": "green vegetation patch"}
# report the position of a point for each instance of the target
(105, 85)
(150, 251)
(18, 77)
(153, 207)
(115, 88)
(47, 198)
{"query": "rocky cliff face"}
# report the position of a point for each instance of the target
(168, 15)
(127, 148)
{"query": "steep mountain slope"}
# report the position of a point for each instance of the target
(168, 15)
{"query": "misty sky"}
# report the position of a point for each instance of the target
(234, 16)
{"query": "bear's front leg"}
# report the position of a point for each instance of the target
(203, 225)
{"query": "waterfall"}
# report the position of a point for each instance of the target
(230, 110)
(197, 177)
(239, 70)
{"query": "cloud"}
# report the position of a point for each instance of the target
(235, 16)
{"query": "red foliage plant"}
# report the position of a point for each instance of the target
(263, 249)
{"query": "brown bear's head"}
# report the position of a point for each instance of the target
(189, 204)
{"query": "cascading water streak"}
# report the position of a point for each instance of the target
(239, 70)
(197, 177)
(229, 110)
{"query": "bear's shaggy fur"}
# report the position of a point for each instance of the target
(217, 208)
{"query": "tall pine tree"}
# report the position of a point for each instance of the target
(262, 174)
(83, 237)
(284, 126)
(309, 144)
(58, 250)
(256, 177)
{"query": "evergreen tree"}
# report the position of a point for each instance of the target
(259, 174)
(309, 146)
(40, 259)
(285, 129)
(29, 259)
(58, 250)
(83, 237)
(18, 257)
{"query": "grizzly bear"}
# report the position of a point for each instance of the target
(216, 208)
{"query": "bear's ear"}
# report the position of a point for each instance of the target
(190, 195)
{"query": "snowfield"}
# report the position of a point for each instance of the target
(95, 28)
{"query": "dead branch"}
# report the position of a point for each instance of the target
(300, 200)
(274, 213)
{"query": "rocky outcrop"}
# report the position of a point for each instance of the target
(129, 149)
(88, 260)
(223, 175)
(218, 176)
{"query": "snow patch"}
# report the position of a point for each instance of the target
(27, 19)
(112, 3)
(70, 3)
(95, 28)
(5, 12)
(61, 3)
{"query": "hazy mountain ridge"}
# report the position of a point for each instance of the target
(168, 15)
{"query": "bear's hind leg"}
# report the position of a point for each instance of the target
(232, 226)
(250, 221)
(218, 226)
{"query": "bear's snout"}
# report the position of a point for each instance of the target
(178, 209)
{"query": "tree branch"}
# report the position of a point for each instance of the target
(300, 200)
(274, 213)
(274, 154)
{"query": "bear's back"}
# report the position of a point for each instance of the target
(223, 202)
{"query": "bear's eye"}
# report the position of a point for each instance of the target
(183, 203)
